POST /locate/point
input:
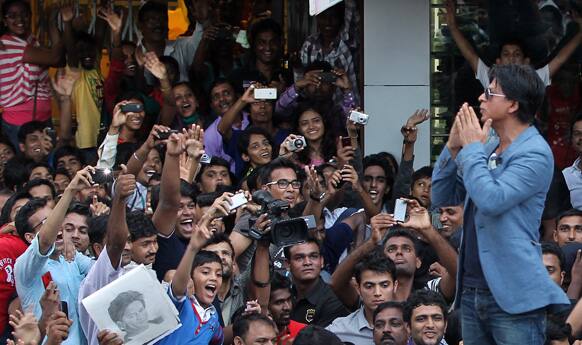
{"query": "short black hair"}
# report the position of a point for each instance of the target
(318, 65)
(68, 150)
(61, 171)
(220, 81)
(220, 237)
(553, 249)
(214, 161)
(424, 172)
(40, 182)
(309, 239)
(9, 3)
(186, 190)
(245, 138)
(204, 257)
(512, 41)
(263, 25)
(139, 226)
(316, 335)
(569, 213)
(520, 83)
(577, 119)
(279, 282)
(152, 6)
(80, 208)
(402, 232)
(127, 95)
(241, 326)
(121, 302)
(375, 261)
(7, 208)
(29, 209)
(423, 297)
(380, 161)
(388, 305)
(33, 165)
(29, 128)
(206, 199)
(13, 177)
(97, 229)
(277, 163)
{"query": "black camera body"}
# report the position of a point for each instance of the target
(285, 231)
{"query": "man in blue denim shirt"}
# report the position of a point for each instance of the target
(503, 287)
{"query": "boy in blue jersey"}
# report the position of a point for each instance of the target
(198, 316)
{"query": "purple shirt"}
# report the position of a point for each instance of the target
(213, 140)
(287, 102)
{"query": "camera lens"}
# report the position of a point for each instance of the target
(298, 143)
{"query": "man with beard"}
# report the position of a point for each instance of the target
(389, 328)
(425, 315)
(280, 307)
(376, 283)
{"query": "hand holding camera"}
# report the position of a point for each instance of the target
(418, 216)
(293, 143)
(125, 184)
(82, 179)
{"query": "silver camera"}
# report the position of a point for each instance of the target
(297, 144)
(205, 159)
(357, 117)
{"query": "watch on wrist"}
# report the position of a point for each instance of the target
(318, 198)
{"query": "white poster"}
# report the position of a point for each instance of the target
(318, 6)
(136, 306)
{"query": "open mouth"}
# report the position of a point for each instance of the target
(131, 68)
(150, 173)
(186, 106)
(265, 154)
(186, 225)
(224, 106)
(210, 288)
(373, 194)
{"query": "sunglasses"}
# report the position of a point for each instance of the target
(489, 94)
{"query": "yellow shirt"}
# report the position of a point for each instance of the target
(88, 100)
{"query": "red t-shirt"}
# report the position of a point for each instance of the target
(292, 330)
(11, 247)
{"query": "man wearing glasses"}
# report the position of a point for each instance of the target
(50, 256)
(503, 183)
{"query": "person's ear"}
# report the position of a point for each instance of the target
(395, 287)
(514, 107)
(555, 236)
(526, 61)
(245, 157)
(29, 236)
(238, 341)
(97, 248)
(21, 146)
(418, 262)
(562, 275)
(498, 61)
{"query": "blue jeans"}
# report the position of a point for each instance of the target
(484, 322)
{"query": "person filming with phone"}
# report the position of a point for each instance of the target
(503, 181)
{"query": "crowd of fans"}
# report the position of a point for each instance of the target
(149, 160)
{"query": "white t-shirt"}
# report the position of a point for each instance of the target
(483, 74)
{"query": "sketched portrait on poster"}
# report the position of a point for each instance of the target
(135, 306)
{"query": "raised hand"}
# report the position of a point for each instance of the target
(125, 184)
(380, 223)
(409, 130)
(98, 208)
(82, 179)
(248, 96)
(114, 20)
(285, 147)
(310, 78)
(344, 153)
(200, 236)
(220, 207)
(119, 117)
(154, 135)
(58, 328)
(155, 66)
(50, 300)
(64, 81)
(450, 13)
(25, 327)
(349, 174)
(175, 145)
(195, 142)
(343, 82)
(418, 217)
(315, 188)
(469, 128)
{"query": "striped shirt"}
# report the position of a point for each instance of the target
(18, 80)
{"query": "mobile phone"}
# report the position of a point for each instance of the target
(265, 93)
(237, 200)
(102, 176)
(65, 308)
(132, 108)
(166, 135)
(400, 210)
(346, 141)
(328, 77)
(205, 159)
